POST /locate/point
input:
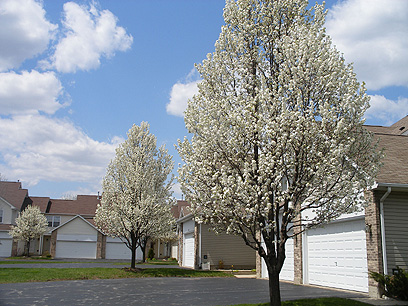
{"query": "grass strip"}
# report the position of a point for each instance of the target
(316, 302)
(22, 275)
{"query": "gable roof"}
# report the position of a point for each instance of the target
(13, 194)
(398, 128)
(395, 163)
(43, 203)
(70, 220)
(178, 209)
(83, 205)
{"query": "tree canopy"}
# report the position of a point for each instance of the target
(136, 199)
(278, 143)
(31, 224)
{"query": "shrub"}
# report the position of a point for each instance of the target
(150, 254)
(396, 286)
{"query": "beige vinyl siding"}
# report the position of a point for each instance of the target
(396, 230)
(231, 249)
(7, 215)
(77, 227)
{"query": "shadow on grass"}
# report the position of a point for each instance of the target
(21, 275)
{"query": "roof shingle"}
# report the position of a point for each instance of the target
(13, 193)
(83, 205)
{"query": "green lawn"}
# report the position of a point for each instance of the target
(159, 262)
(21, 275)
(36, 260)
(315, 302)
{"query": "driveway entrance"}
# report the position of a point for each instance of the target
(155, 291)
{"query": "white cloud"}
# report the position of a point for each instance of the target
(388, 111)
(89, 35)
(29, 92)
(24, 31)
(179, 96)
(35, 147)
(176, 189)
(373, 35)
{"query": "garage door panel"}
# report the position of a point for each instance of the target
(188, 258)
(75, 249)
(336, 256)
(288, 269)
(5, 247)
(119, 250)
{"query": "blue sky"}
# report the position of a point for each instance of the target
(75, 76)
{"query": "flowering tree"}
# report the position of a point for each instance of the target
(278, 143)
(136, 200)
(31, 224)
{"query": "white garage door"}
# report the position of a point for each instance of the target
(287, 272)
(188, 250)
(336, 256)
(116, 249)
(75, 249)
(5, 245)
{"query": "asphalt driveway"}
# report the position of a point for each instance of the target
(155, 291)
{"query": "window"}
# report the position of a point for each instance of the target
(1, 216)
(53, 221)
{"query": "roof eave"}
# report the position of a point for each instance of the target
(185, 218)
(392, 185)
(8, 203)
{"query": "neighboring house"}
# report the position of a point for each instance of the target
(79, 238)
(340, 254)
(71, 229)
(12, 197)
(164, 249)
(200, 247)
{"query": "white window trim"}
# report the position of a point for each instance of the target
(53, 220)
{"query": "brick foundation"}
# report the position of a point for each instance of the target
(373, 238)
(53, 243)
(100, 246)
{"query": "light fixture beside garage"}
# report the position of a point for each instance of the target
(368, 228)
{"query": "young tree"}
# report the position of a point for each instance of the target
(136, 199)
(31, 224)
(278, 143)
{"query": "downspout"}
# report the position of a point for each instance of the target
(41, 245)
(384, 248)
(199, 249)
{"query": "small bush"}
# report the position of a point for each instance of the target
(150, 254)
(396, 286)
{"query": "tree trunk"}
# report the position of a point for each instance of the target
(133, 249)
(28, 248)
(133, 262)
(274, 288)
(143, 247)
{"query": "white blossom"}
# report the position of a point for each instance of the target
(31, 224)
(278, 105)
(136, 200)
